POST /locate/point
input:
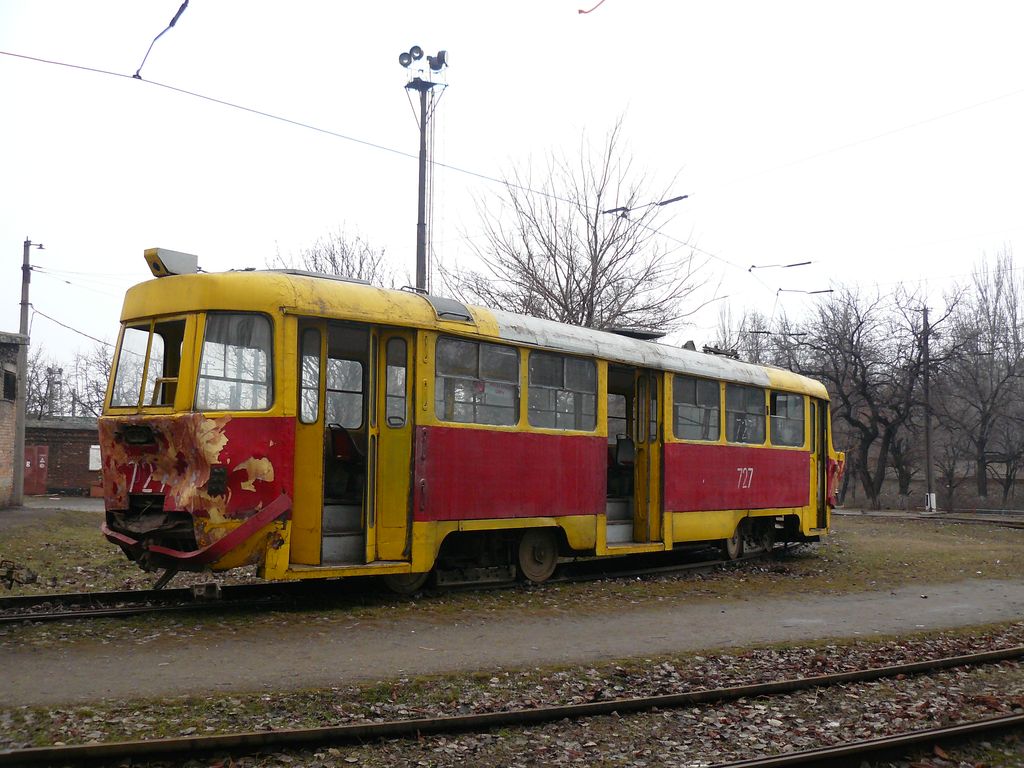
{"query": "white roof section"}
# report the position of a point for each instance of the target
(610, 346)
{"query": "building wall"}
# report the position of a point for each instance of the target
(7, 415)
(68, 460)
(8, 363)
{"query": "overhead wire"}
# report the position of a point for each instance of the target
(483, 176)
(345, 137)
(36, 311)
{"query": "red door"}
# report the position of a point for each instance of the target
(36, 460)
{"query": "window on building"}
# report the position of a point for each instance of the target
(696, 408)
(476, 383)
(787, 418)
(744, 414)
(562, 392)
(10, 385)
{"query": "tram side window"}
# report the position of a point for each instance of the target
(476, 383)
(395, 389)
(562, 392)
(744, 414)
(235, 367)
(787, 416)
(697, 408)
(618, 425)
(309, 376)
(344, 393)
(163, 342)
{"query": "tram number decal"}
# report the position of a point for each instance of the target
(145, 470)
(745, 477)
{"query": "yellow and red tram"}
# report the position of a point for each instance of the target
(320, 427)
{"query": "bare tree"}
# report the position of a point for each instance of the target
(87, 380)
(581, 246)
(951, 452)
(339, 253)
(984, 377)
(868, 352)
(57, 388)
(750, 335)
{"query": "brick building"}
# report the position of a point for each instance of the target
(64, 453)
(9, 343)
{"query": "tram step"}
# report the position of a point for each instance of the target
(618, 510)
(619, 532)
(342, 518)
(343, 548)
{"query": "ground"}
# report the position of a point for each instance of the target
(894, 577)
(276, 653)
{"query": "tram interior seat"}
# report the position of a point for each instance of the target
(344, 466)
(621, 458)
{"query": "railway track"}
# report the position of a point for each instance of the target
(235, 744)
(92, 605)
(212, 597)
(1010, 521)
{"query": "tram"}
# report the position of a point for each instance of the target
(319, 427)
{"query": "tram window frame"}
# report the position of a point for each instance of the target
(396, 375)
(786, 429)
(618, 415)
(309, 376)
(261, 392)
(481, 370)
(344, 399)
(154, 383)
(559, 390)
(744, 414)
(705, 408)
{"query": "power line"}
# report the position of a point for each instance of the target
(73, 330)
(335, 134)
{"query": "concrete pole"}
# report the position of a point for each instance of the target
(928, 471)
(422, 278)
(18, 490)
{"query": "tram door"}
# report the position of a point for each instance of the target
(647, 469)
(353, 439)
(819, 451)
(391, 434)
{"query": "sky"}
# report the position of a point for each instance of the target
(880, 141)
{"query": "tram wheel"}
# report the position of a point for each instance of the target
(405, 583)
(733, 546)
(538, 554)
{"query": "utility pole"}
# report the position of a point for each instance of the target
(929, 503)
(17, 492)
(421, 85)
(435, 64)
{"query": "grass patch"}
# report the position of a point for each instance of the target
(862, 554)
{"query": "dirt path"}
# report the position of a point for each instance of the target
(319, 655)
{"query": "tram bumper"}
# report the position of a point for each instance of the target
(153, 556)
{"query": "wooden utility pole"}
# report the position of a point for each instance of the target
(18, 489)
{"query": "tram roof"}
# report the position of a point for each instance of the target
(301, 293)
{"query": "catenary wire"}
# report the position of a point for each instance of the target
(68, 327)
